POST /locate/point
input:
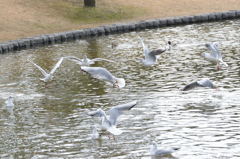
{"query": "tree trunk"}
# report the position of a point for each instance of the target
(89, 3)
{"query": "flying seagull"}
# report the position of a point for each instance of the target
(104, 75)
(215, 56)
(200, 83)
(154, 151)
(48, 76)
(150, 56)
(109, 123)
(86, 61)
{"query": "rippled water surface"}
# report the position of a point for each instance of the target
(51, 121)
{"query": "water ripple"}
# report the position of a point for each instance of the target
(52, 121)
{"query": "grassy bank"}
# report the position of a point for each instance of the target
(24, 18)
(106, 11)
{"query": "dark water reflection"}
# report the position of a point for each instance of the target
(51, 122)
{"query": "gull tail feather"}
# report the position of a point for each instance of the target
(115, 131)
(121, 82)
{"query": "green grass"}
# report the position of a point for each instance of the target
(101, 13)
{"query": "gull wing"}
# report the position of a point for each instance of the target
(219, 54)
(101, 59)
(157, 52)
(75, 59)
(40, 68)
(56, 65)
(145, 48)
(201, 83)
(116, 111)
(99, 73)
(191, 86)
(209, 57)
(205, 83)
(96, 113)
(160, 152)
(214, 50)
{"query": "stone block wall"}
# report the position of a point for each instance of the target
(50, 39)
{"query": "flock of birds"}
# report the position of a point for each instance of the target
(109, 123)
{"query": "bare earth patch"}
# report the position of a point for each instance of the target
(25, 18)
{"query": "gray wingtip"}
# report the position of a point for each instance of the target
(134, 103)
(175, 148)
(190, 86)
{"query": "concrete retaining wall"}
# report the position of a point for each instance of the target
(49, 39)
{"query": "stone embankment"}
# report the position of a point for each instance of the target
(50, 39)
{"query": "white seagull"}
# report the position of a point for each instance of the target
(48, 76)
(109, 123)
(215, 56)
(103, 74)
(9, 102)
(150, 56)
(154, 151)
(95, 135)
(205, 82)
(86, 61)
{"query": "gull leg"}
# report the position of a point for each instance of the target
(46, 85)
(111, 136)
(114, 138)
(218, 67)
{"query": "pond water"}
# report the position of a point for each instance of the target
(51, 121)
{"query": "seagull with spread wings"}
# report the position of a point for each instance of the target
(205, 82)
(150, 57)
(48, 76)
(104, 75)
(215, 55)
(109, 123)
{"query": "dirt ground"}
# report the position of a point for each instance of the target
(25, 18)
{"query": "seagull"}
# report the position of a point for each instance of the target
(150, 56)
(9, 102)
(48, 76)
(95, 135)
(215, 56)
(109, 123)
(205, 82)
(86, 61)
(103, 74)
(154, 151)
